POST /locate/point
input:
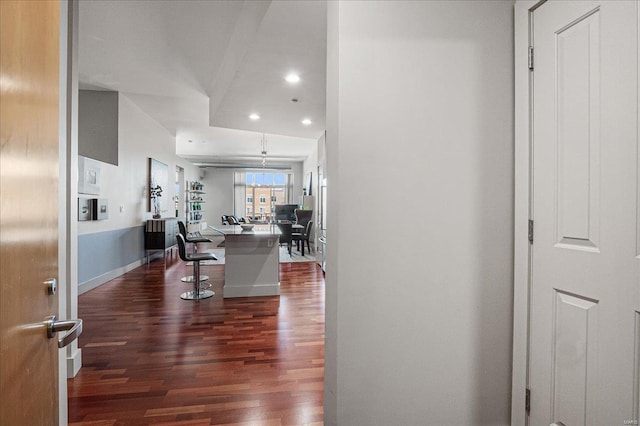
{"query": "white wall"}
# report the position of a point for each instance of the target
(109, 248)
(140, 137)
(311, 165)
(298, 182)
(419, 118)
(218, 184)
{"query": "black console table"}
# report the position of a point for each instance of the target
(160, 235)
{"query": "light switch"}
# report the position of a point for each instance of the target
(121, 209)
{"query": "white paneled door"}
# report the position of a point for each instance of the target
(585, 286)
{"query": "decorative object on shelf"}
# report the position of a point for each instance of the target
(196, 186)
(155, 194)
(158, 178)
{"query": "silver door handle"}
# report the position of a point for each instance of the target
(557, 424)
(74, 328)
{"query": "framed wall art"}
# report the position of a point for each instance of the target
(88, 176)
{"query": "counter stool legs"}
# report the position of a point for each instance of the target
(191, 278)
(197, 293)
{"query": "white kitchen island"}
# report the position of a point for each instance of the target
(252, 261)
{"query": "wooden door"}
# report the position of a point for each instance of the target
(29, 58)
(585, 289)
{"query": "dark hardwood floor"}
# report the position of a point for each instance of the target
(150, 357)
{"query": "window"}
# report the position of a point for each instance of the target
(263, 191)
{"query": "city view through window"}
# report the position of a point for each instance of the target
(263, 192)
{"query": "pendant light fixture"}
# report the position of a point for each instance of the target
(264, 151)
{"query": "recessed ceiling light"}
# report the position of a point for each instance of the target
(292, 78)
(254, 117)
(306, 121)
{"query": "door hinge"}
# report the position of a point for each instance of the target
(531, 58)
(530, 231)
(527, 401)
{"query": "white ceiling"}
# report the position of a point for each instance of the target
(200, 67)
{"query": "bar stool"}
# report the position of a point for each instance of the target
(193, 238)
(197, 293)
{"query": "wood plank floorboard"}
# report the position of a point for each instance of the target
(150, 357)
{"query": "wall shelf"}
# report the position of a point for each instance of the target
(194, 200)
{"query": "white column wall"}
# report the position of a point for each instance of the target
(420, 248)
(298, 183)
(218, 185)
(311, 165)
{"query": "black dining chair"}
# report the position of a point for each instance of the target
(303, 216)
(286, 235)
(197, 293)
(303, 237)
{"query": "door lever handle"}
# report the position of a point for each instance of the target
(557, 424)
(74, 328)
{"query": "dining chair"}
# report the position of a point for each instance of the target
(303, 237)
(303, 216)
(286, 234)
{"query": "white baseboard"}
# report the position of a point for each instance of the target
(251, 290)
(99, 280)
(74, 363)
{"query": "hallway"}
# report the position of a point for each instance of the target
(151, 358)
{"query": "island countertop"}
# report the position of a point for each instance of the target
(252, 260)
(269, 230)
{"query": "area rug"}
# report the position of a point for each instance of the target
(296, 256)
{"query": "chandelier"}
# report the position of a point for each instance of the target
(264, 150)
